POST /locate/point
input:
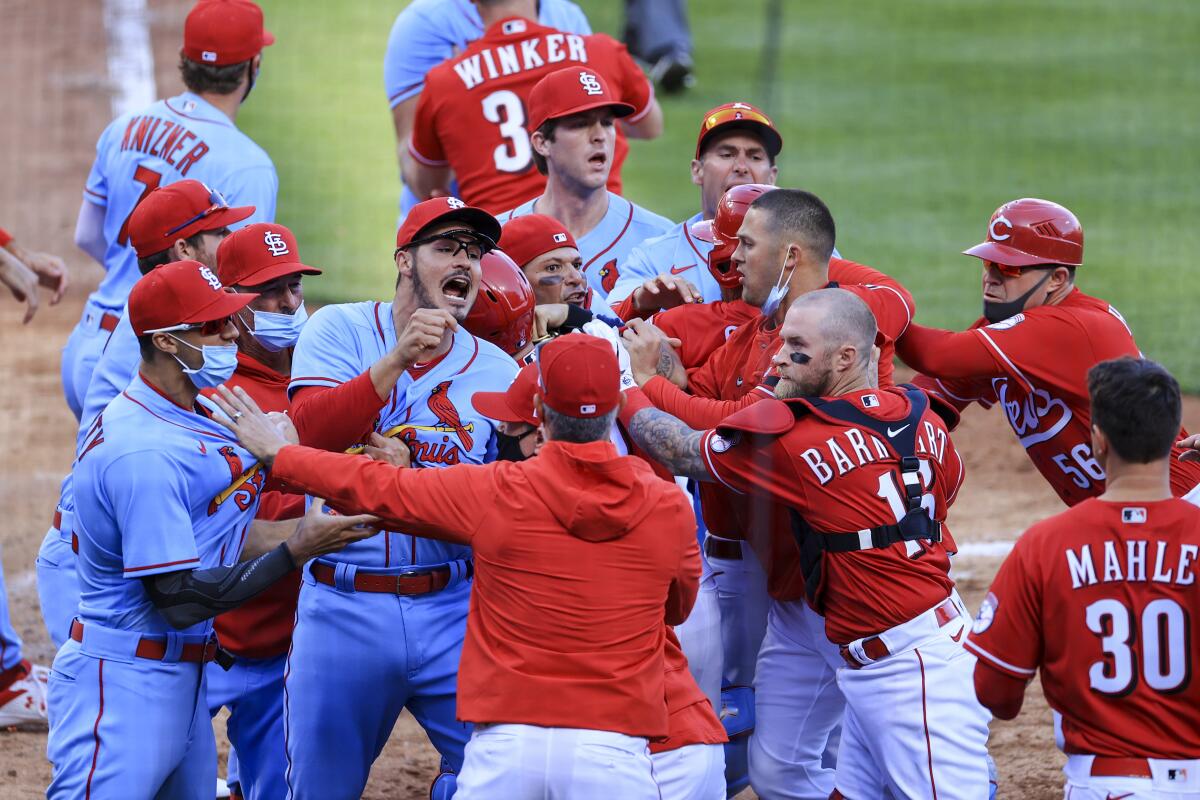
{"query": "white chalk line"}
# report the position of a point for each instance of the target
(130, 58)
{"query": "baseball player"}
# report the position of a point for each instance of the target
(191, 135)
(792, 720)
(737, 145)
(572, 113)
(22, 271)
(262, 259)
(867, 474)
(1032, 251)
(428, 32)
(471, 121)
(405, 369)
(503, 313)
(182, 221)
(1099, 598)
(132, 670)
(554, 535)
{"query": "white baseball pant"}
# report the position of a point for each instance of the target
(694, 772)
(529, 762)
(1173, 780)
(700, 638)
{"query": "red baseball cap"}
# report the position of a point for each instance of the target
(514, 405)
(259, 253)
(529, 236)
(732, 116)
(445, 209)
(578, 375)
(571, 90)
(224, 32)
(177, 211)
(181, 293)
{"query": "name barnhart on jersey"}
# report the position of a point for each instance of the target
(509, 59)
(1172, 563)
(859, 448)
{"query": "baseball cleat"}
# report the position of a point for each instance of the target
(23, 702)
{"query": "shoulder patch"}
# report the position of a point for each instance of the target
(987, 613)
(719, 444)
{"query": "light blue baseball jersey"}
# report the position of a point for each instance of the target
(427, 32)
(116, 367)
(158, 489)
(180, 137)
(676, 252)
(624, 226)
(432, 413)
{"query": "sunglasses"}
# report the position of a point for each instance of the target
(731, 114)
(212, 327)
(218, 204)
(1009, 271)
(476, 244)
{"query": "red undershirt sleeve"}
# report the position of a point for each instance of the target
(699, 413)
(334, 418)
(946, 354)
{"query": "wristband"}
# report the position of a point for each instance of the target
(5, 237)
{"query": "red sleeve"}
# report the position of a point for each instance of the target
(626, 311)
(276, 505)
(424, 144)
(1007, 633)
(947, 354)
(998, 691)
(334, 418)
(892, 311)
(681, 595)
(427, 502)
(959, 393)
(701, 328)
(635, 89)
(5, 237)
(697, 412)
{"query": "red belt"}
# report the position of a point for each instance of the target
(1111, 767)
(74, 543)
(109, 322)
(725, 549)
(156, 649)
(57, 520)
(406, 583)
(875, 648)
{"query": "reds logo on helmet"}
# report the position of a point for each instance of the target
(999, 220)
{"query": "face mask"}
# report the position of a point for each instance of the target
(994, 311)
(220, 361)
(509, 447)
(778, 292)
(278, 331)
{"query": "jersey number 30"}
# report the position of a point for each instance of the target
(1165, 641)
(505, 109)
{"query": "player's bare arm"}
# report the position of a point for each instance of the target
(21, 281)
(650, 126)
(423, 334)
(672, 443)
(50, 270)
(651, 352)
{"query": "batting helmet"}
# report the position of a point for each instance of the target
(723, 228)
(503, 310)
(1030, 231)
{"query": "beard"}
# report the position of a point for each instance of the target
(813, 385)
(428, 296)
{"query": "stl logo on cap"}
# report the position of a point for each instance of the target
(455, 203)
(275, 243)
(212, 280)
(589, 82)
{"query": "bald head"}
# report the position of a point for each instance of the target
(828, 340)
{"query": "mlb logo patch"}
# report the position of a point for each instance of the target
(560, 238)
(1133, 516)
(588, 408)
(514, 26)
(208, 55)
(870, 401)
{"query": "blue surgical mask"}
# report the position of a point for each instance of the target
(778, 292)
(220, 361)
(278, 331)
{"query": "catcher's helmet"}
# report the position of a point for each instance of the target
(723, 228)
(503, 310)
(1030, 231)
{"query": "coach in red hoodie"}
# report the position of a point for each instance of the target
(580, 556)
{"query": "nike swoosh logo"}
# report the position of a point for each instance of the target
(896, 432)
(958, 635)
(677, 270)
(1112, 796)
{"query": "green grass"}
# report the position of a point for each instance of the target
(912, 119)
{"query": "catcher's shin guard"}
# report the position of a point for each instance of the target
(737, 715)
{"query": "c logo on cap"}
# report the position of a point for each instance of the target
(590, 83)
(455, 203)
(999, 220)
(275, 243)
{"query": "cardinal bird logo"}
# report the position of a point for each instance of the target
(233, 461)
(447, 414)
(608, 275)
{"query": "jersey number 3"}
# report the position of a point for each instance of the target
(1165, 642)
(505, 109)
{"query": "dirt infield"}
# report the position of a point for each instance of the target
(54, 92)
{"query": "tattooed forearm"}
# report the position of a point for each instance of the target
(670, 367)
(669, 441)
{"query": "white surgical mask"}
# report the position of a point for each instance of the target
(778, 292)
(220, 361)
(278, 331)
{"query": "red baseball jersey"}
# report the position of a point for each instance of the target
(842, 478)
(701, 328)
(472, 116)
(1035, 365)
(1100, 598)
(262, 628)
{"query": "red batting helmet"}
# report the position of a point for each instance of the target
(722, 230)
(1030, 231)
(503, 310)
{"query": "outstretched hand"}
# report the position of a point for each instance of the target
(320, 532)
(1191, 448)
(264, 435)
(650, 351)
(664, 291)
